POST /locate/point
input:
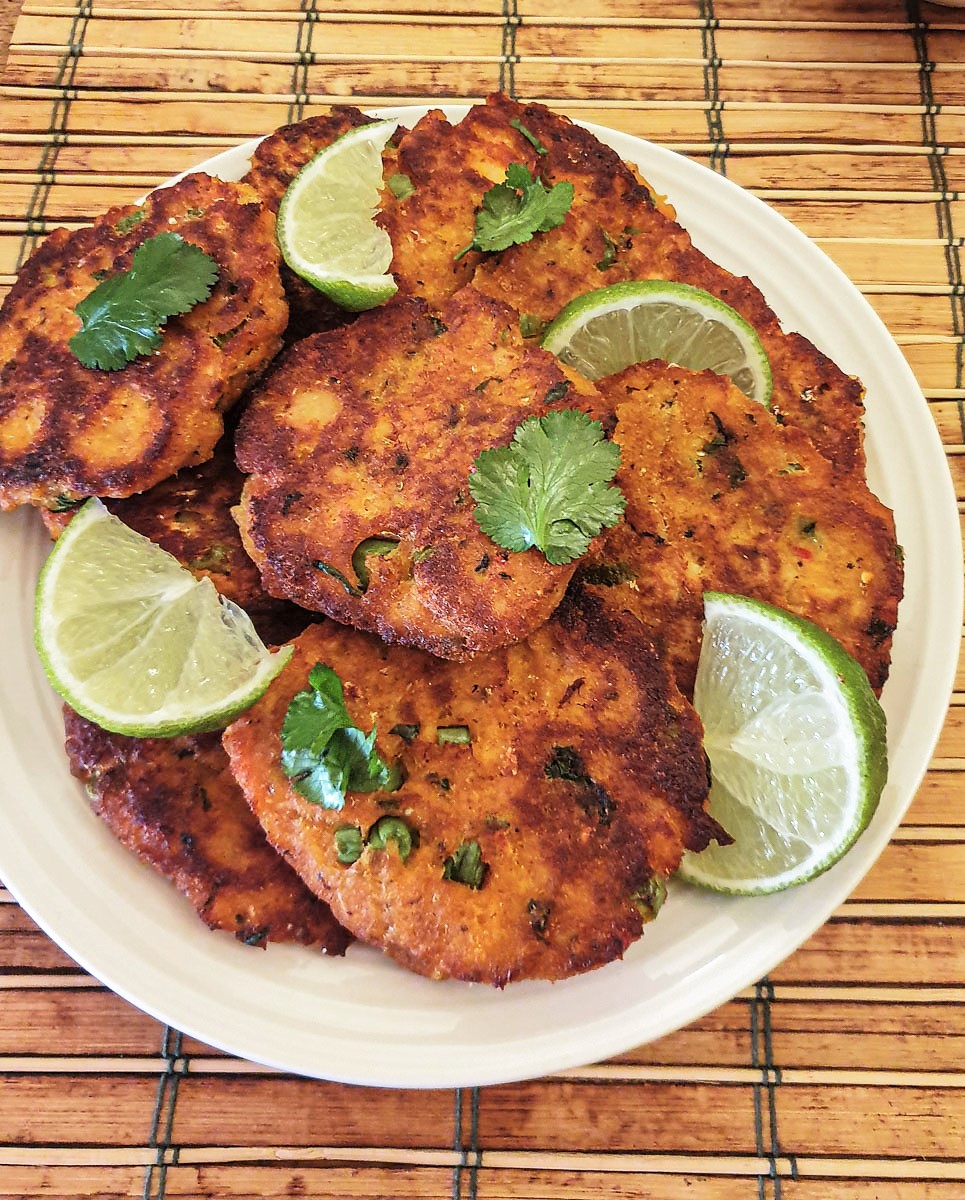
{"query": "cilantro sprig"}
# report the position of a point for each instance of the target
(549, 487)
(514, 210)
(122, 317)
(324, 753)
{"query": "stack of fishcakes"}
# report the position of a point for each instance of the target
(577, 778)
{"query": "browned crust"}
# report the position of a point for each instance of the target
(722, 497)
(175, 804)
(68, 431)
(449, 167)
(564, 859)
(372, 431)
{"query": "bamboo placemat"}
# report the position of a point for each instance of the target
(839, 1077)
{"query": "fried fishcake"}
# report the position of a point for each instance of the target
(449, 168)
(721, 497)
(175, 804)
(615, 231)
(370, 432)
(538, 850)
(276, 161)
(69, 431)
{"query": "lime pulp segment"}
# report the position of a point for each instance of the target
(606, 330)
(797, 745)
(134, 642)
(326, 221)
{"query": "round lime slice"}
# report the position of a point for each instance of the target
(135, 643)
(603, 331)
(796, 742)
(326, 227)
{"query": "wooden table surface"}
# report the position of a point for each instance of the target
(840, 1076)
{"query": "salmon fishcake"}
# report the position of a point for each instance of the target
(276, 161)
(444, 171)
(721, 497)
(359, 447)
(615, 231)
(549, 788)
(175, 804)
(68, 431)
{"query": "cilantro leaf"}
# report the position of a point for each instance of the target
(122, 317)
(531, 137)
(549, 487)
(512, 211)
(324, 753)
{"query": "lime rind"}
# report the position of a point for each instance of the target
(326, 221)
(132, 641)
(606, 330)
(797, 743)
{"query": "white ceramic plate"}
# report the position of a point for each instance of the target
(363, 1020)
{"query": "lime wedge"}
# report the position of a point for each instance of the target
(135, 643)
(602, 332)
(797, 748)
(326, 227)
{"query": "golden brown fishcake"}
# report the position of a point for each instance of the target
(371, 431)
(583, 783)
(449, 168)
(175, 804)
(721, 497)
(616, 232)
(276, 161)
(69, 431)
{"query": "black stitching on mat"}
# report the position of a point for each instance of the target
(943, 205)
(467, 1147)
(162, 1120)
(768, 1143)
(715, 105)
(508, 56)
(35, 215)
(303, 60)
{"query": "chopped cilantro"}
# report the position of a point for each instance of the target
(606, 574)
(375, 547)
(400, 185)
(130, 221)
(557, 391)
(514, 210)
(549, 487)
(393, 829)
(334, 573)
(122, 317)
(609, 252)
(531, 137)
(349, 843)
(65, 503)
(567, 764)
(453, 735)
(324, 753)
(465, 865)
(648, 900)
(530, 326)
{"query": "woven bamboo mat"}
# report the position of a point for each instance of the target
(842, 1075)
